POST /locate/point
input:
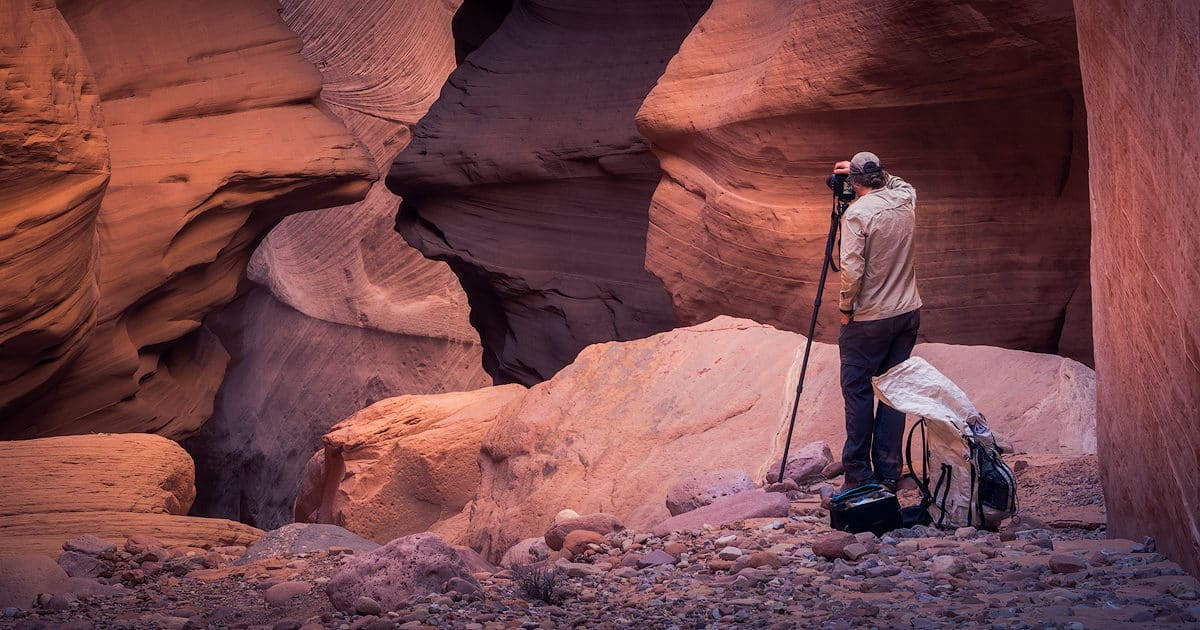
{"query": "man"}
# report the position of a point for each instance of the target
(880, 314)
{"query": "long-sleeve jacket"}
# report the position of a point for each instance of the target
(878, 276)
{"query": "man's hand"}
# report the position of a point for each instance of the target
(846, 318)
(842, 168)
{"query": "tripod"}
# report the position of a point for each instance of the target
(835, 217)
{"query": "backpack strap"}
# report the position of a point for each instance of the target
(943, 481)
(923, 480)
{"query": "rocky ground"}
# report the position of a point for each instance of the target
(782, 572)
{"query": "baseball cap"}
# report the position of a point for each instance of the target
(865, 162)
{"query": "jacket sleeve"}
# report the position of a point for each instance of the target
(854, 262)
(900, 187)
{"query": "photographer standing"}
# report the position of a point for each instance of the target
(880, 309)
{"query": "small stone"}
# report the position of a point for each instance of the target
(855, 551)
(965, 532)
(675, 548)
(367, 606)
(726, 540)
(948, 566)
(655, 558)
(833, 545)
(279, 594)
(729, 553)
(1063, 563)
(90, 545)
(908, 546)
(1181, 590)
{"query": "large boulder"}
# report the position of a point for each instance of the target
(725, 510)
(978, 105)
(701, 489)
(298, 538)
(529, 177)
(398, 572)
(24, 576)
(213, 136)
(81, 473)
(53, 172)
(1142, 135)
(338, 298)
(109, 486)
(403, 465)
(617, 429)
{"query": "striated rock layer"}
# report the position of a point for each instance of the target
(53, 172)
(213, 138)
(977, 105)
(529, 178)
(344, 312)
(111, 486)
(1145, 180)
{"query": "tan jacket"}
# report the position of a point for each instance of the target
(878, 276)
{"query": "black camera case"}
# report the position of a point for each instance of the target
(867, 508)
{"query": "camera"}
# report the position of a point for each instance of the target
(839, 183)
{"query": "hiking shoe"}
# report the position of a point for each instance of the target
(889, 484)
(850, 485)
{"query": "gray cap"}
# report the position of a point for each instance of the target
(865, 162)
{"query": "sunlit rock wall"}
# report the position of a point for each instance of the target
(214, 137)
(977, 104)
(1141, 69)
(529, 178)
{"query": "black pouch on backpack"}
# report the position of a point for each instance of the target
(868, 508)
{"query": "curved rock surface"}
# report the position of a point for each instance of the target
(344, 312)
(618, 428)
(111, 486)
(81, 473)
(529, 178)
(1145, 181)
(53, 172)
(403, 465)
(979, 105)
(213, 137)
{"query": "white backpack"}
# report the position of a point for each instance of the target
(962, 477)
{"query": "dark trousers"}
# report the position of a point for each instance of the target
(873, 436)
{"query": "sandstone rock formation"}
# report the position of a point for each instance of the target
(1145, 179)
(87, 473)
(402, 466)
(619, 427)
(111, 486)
(341, 303)
(213, 137)
(978, 105)
(529, 178)
(53, 172)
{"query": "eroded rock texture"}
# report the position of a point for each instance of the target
(618, 428)
(529, 178)
(111, 486)
(1144, 185)
(344, 312)
(213, 138)
(977, 104)
(53, 171)
(403, 466)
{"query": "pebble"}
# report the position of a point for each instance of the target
(729, 553)
(366, 606)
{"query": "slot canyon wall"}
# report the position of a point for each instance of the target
(1141, 69)
(213, 136)
(529, 178)
(340, 311)
(978, 105)
(53, 172)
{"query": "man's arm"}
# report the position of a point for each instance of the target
(899, 185)
(854, 263)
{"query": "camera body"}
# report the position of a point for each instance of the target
(842, 189)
